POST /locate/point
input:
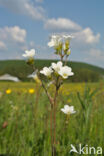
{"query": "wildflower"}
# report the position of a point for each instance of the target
(46, 71)
(35, 77)
(29, 54)
(68, 52)
(56, 66)
(68, 110)
(65, 72)
(31, 91)
(56, 40)
(66, 44)
(67, 37)
(8, 91)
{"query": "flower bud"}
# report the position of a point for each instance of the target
(68, 52)
(30, 61)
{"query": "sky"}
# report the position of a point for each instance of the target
(27, 24)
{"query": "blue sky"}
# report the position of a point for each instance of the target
(26, 24)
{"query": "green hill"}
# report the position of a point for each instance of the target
(83, 72)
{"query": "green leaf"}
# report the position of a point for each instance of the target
(81, 101)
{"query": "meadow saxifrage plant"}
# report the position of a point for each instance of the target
(55, 74)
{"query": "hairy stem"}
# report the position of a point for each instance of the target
(48, 95)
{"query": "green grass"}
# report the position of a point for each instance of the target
(27, 132)
(83, 72)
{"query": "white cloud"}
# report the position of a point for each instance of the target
(32, 44)
(62, 24)
(39, 1)
(96, 54)
(25, 7)
(2, 45)
(12, 42)
(87, 36)
(82, 36)
(14, 34)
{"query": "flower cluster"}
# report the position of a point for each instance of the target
(60, 43)
(58, 69)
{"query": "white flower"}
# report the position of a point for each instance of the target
(46, 71)
(64, 46)
(55, 41)
(29, 54)
(65, 72)
(68, 110)
(67, 37)
(33, 75)
(56, 66)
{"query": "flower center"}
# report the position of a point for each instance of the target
(65, 74)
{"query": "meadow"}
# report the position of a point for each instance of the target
(25, 118)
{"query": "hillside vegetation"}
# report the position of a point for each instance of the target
(83, 72)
